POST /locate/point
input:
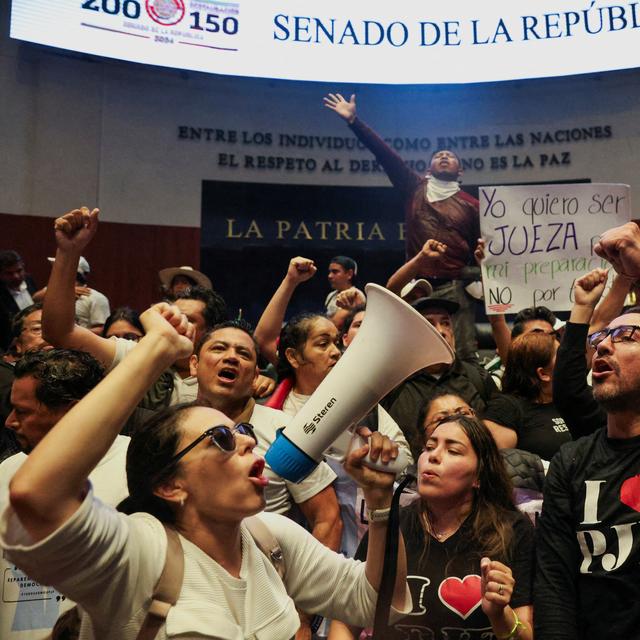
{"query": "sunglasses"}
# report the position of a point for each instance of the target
(623, 333)
(222, 437)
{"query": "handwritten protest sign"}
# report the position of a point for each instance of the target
(540, 239)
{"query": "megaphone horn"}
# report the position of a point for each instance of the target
(393, 342)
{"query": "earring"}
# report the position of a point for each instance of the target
(181, 503)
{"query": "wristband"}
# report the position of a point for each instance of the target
(378, 515)
(515, 630)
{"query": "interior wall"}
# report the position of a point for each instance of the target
(79, 130)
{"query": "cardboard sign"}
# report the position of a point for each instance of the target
(540, 239)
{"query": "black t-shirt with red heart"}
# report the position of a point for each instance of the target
(588, 542)
(444, 578)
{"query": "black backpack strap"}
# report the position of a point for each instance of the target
(388, 580)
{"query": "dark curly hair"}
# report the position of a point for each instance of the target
(64, 375)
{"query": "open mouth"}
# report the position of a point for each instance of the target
(255, 473)
(228, 374)
(601, 368)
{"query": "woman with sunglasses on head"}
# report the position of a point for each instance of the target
(469, 552)
(194, 470)
(442, 405)
(524, 416)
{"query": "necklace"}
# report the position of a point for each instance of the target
(443, 534)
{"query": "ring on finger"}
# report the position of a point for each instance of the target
(500, 589)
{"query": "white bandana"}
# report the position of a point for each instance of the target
(437, 190)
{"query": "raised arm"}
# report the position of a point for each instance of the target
(346, 301)
(421, 263)
(620, 246)
(611, 306)
(50, 486)
(346, 110)
(499, 327)
(268, 328)
(73, 232)
(401, 176)
(572, 395)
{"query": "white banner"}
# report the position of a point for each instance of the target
(359, 41)
(539, 240)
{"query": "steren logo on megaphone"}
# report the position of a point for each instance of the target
(309, 427)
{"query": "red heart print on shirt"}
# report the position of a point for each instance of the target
(630, 493)
(461, 596)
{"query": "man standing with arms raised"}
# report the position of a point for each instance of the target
(435, 208)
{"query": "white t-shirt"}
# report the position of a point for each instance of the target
(350, 496)
(110, 563)
(92, 310)
(29, 610)
(184, 389)
(280, 492)
(330, 302)
(21, 296)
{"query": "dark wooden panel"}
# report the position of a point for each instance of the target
(124, 258)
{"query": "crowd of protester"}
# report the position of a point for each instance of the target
(132, 469)
(125, 405)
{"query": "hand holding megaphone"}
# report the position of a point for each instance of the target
(372, 459)
(388, 458)
(393, 342)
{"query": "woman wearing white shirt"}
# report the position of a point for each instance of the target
(207, 480)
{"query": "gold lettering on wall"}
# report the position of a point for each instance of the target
(253, 231)
(342, 231)
(375, 232)
(302, 230)
(323, 224)
(283, 225)
(230, 233)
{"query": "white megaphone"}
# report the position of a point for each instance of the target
(393, 343)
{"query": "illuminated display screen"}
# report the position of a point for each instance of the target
(356, 41)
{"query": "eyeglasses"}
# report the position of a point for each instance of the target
(458, 412)
(623, 333)
(223, 437)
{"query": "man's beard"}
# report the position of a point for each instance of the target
(617, 400)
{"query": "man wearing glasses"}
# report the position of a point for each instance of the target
(588, 578)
